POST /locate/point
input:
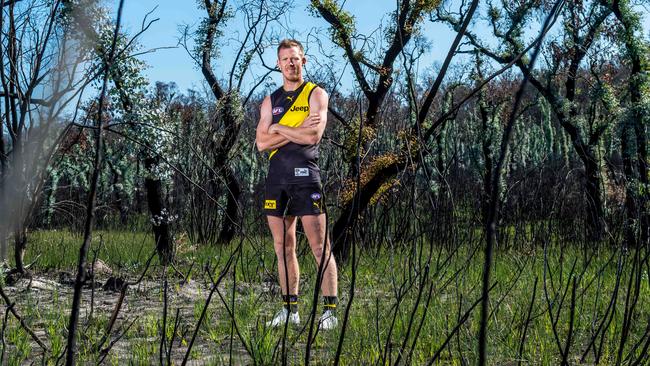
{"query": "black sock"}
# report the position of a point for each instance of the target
(329, 303)
(290, 302)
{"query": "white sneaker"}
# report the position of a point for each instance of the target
(328, 320)
(281, 318)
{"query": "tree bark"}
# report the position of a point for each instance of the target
(160, 216)
(153, 187)
(407, 18)
(594, 192)
(352, 211)
(90, 206)
(232, 215)
(635, 161)
(486, 148)
(20, 245)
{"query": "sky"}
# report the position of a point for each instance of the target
(169, 62)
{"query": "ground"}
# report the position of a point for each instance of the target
(410, 304)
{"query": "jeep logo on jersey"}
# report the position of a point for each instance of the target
(277, 110)
(301, 172)
(302, 108)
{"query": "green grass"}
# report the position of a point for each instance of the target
(375, 314)
(60, 249)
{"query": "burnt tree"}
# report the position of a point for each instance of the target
(228, 118)
(373, 175)
(559, 84)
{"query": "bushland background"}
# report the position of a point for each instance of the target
(485, 169)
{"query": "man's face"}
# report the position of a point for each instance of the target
(290, 62)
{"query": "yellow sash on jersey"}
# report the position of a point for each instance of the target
(298, 111)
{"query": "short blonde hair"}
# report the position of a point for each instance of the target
(290, 42)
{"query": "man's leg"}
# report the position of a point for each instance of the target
(314, 226)
(284, 242)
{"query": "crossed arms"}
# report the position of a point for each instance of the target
(271, 136)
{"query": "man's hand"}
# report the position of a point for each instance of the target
(312, 128)
(312, 121)
(273, 135)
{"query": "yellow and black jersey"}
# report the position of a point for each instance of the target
(293, 163)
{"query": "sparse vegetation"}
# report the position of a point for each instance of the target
(489, 209)
(388, 282)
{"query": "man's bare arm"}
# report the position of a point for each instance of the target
(311, 131)
(267, 141)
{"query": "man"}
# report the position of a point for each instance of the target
(292, 121)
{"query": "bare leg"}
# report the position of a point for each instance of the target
(314, 226)
(284, 242)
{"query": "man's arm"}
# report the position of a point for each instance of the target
(267, 141)
(311, 130)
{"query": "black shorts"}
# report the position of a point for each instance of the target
(297, 199)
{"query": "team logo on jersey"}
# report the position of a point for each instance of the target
(269, 204)
(277, 110)
(301, 172)
(302, 108)
(315, 196)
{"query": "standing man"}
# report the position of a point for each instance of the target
(292, 121)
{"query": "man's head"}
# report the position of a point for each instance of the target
(291, 59)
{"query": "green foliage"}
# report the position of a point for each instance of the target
(352, 143)
(346, 27)
(214, 24)
(418, 10)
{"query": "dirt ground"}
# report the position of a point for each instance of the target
(142, 306)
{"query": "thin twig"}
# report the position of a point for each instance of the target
(11, 308)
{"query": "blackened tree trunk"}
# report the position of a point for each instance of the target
(20, 245)
(633, 133)
(80, 278)
(3, 218)
(490, 225)
(230, 222)
(349, 216)
(232, 216)
(594, 192)
(407, 19)
(486, 149)
(16, 208)
(231, 125)
(159, 214)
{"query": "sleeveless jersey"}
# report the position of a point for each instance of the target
(293, 163)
